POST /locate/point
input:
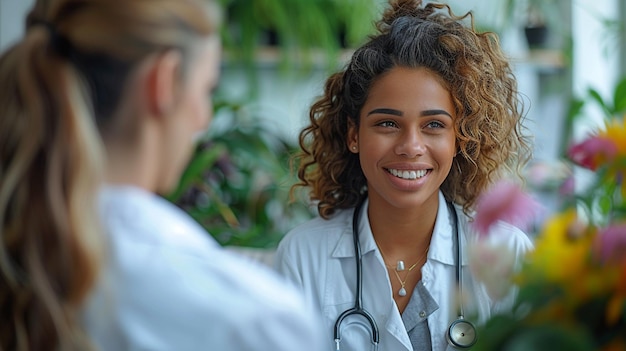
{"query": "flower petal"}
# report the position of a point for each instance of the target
(505, 201)
(593, 151)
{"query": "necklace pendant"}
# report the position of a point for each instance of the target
(400, 266)
(402, 291)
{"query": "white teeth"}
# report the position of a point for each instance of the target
(408, 174)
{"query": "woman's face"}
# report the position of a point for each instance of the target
(406, 139)
(193, 111)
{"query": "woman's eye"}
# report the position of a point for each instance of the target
(387, 124)
(435, 125)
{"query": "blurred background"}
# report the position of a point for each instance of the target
(569, 57)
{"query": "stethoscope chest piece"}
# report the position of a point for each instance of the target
(461, 334)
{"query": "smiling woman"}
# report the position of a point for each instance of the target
(399, 147)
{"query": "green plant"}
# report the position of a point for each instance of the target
(237, 183)
(535, 12)
(614, 105)
(295, 27)
(545, 22)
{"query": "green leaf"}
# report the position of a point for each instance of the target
(201, 161)
(499, 329)
(598, 99)
(619, 98)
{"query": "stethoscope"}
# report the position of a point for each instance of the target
(461, 334)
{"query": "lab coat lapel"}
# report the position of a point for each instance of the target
(438, 274)
(345, 244)
(442, 242)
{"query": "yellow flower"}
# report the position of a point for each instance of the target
(618, 300)
(562, 249)
(615, 130)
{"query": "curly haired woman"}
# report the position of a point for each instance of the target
(422, 120)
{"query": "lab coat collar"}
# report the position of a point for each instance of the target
(345, 244)
(442, 243)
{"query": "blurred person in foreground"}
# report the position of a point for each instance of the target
(113, 92)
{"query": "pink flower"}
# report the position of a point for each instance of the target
(568, 187)
(610, 244)
(493, 265)
(505, 201)
(592, 152)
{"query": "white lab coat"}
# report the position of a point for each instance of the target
(318, 256)
(167, 285)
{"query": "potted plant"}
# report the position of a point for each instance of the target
(539, 18)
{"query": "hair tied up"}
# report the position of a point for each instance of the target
(403, 8)
(59, 43)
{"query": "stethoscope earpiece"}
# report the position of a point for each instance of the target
(461, 334)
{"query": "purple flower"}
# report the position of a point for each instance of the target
(505, 201)
(568, 187)
(610, 244)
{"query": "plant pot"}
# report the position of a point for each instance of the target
(536, 36)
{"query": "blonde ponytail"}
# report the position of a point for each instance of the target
(60, 82)
(50, 166)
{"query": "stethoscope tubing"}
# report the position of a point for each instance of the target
(358, 304)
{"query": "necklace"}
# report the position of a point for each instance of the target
(400, 267)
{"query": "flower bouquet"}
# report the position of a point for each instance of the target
(572, 286)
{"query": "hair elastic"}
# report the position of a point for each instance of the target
(59, 43)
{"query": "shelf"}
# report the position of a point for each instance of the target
(272, 56)
(542, 59)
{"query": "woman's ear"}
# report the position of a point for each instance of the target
(162, 82)
(353, 137)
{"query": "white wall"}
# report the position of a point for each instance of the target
(12, 14)
(596, 54)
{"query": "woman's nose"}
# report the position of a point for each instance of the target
(411, 144)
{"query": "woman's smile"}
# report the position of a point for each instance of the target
(408, 180)
(407, 174)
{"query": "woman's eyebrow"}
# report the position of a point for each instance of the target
(390, 111)
(435, 112)
(386, 111)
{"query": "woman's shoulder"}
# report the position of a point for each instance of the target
(135, 217)
(318, 229)
(155, 299)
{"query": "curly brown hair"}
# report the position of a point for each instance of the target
(471, 65)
